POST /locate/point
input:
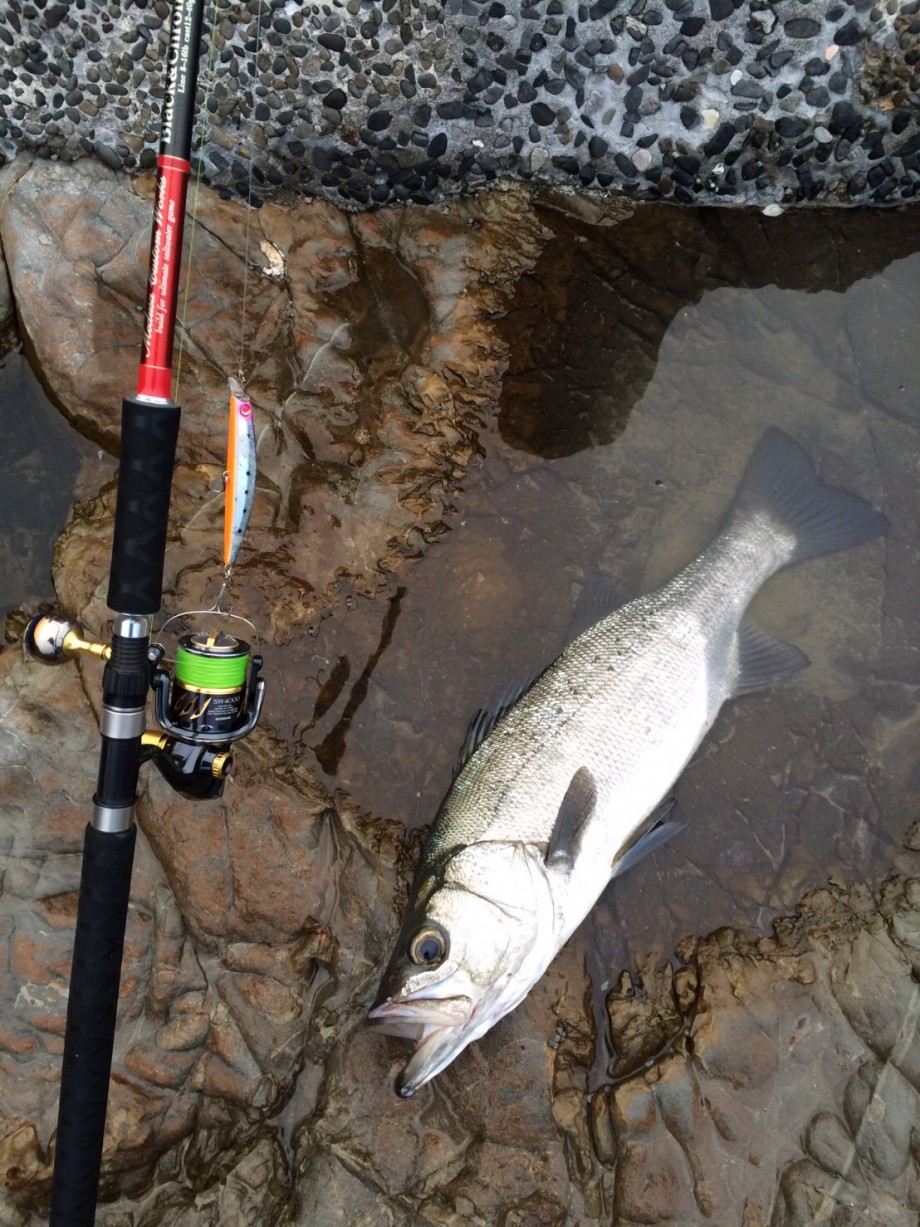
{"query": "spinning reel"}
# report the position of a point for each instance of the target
(212, 697)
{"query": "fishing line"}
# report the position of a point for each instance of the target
(240, 475)
(240, 471)
(249, 209)
(199, 172)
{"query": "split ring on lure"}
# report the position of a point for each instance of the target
(241, 473)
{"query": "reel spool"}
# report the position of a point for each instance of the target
(213, 697)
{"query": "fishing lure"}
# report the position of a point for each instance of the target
(240, 477)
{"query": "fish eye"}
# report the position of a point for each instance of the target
(429, 946)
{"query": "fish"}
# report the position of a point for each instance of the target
(561, 789)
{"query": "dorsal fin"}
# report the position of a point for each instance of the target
(598, 598)
(574, 812)
(486, 718)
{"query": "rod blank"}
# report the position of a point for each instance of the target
(105, 883)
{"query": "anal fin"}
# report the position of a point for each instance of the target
(763, 660)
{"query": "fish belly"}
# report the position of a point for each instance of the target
(647, 724)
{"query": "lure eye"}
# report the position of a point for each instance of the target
(429, 947)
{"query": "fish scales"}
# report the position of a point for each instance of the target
(565, 788)
(605, 698)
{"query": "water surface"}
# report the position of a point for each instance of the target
(44, 466)
(645, 362)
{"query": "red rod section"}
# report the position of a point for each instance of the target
(155, 374)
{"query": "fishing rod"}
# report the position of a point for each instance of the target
(214, 697)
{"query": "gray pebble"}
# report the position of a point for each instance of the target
(578, 80)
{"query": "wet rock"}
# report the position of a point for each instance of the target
(8, 334)
(214, 1003)
(45, 463)
(61, 246)
(244, 995)
(253, 1178)
(644, 1015)
(749, 1073)
(703, 1131)
(415, 292)
(482, 1145)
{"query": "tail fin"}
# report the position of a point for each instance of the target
(780, 481)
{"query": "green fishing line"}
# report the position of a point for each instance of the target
(210, 672)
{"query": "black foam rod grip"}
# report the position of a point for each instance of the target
(148, 453)
(89, 1038)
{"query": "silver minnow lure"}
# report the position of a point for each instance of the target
(564, 790)
(240, 489)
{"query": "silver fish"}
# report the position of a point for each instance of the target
(564, 790)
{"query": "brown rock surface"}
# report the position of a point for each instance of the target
(231, 942)
(753, 1080)
(367, 349)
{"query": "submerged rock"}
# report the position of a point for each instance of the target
(797, 1045)
(754, 1079)
(734, 101)
(365, 342)
(772, 1077)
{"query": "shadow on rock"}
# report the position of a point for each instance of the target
(584, 328)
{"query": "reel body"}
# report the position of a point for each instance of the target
(212, 697)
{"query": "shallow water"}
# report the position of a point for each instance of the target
(645, 359)
(44, 466)
(639, 381)
(644, 362)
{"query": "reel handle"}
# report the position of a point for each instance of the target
(224, 705)
(54, 638)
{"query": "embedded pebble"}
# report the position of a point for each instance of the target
(344, 100)
(642, 159)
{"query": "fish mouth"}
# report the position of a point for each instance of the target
(437, 1025)
(413, 1016)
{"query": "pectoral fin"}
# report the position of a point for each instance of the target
(574, 813)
